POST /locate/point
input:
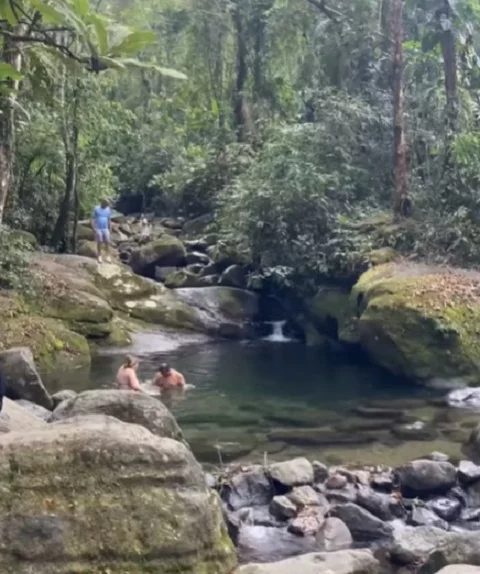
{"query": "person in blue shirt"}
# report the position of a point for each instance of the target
(101, 222)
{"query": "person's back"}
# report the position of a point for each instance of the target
(127, 376)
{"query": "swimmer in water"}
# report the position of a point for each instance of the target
(168, 379)
(127, 375)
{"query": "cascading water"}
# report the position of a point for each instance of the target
(277, 336)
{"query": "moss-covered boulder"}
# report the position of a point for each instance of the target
(98, 495)
(87, 249)
(225, 255)
(183, 278)
(420, 321)
(85, 232)
(167, 251)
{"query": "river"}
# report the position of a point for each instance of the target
(276, 399)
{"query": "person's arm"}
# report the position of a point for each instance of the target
(94, 218)
(109, 220)
(180, 380)
(158, 380)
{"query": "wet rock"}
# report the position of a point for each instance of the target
(421, 516)
(417, 430)
(308, 522)
(342, 496)
(464, 398)
(336, 482)
(382, 506)
(248, 489)
(22, 380)
(296, 472)
(302, 496)
(342, 562)
(181, 278)
(363, 525)
(383, 482)
(446, 508)
(161, 273)
(167, 251)
(334, 535)
(470, 515)
(61, 396)
(282, 508)
(37, 410)
(320, 471)
(422, 477)
(234, 276)
(438, 457)
(265, 544)
(468, 472)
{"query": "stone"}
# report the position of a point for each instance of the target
(302, 496)
(383, 506)
(460, 569)
(85, 233)
(470, 515)
(225, 256)
(417, 430)
(334, 535)
(64, 494)
(320, 471)
(248, 489)
(308, 522)
(342, 496)
(234, 276)
(199, 225)
(448, 509)
(61, 396)
(127, 406)
(296, 472)
(342, 562)
(87, 249)
(336, 482)
(383, 482)
(464, 398)
(21, 377)
(421, 516)
(183, 278)
(16, 418)
(266, 544)
(36, 410)
(167, 251)
(468, 472)
(439, 457)
(282, 508)
(363, 525)
(426, 477)
(161, 273)
(197, 257)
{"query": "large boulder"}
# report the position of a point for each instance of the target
(166, 251)
(105, 496)
(420, 321)
(426, 477)
(16, 418)
(460, 569)
(127, 406)
(296, 472)
(363, 525)
(342, 562)
(22, 380)
(87, 249)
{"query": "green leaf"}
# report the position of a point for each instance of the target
(168, 72)
(8, 72)
(134, 42)
(50, 15)
(82, 7)
(101, 33)
(111, 63)
(6, 12)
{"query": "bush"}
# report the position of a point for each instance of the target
(14, 260)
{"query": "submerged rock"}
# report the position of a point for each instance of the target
(421, 516)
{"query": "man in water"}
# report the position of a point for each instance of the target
(169, 379)
(101, 224)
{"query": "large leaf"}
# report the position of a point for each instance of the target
(134, 42)
(49, 13)
(101, 32)
(8, 72)
(6, 12)
(168, 72)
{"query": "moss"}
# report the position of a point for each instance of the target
(382, 255)
(165, 309)
(87, 249)
(120, 284)
(25, 237)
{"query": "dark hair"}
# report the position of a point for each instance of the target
(104, 203)
(164, 367)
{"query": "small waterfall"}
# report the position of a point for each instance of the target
(277, 336)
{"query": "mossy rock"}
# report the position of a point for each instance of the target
(183, 278)
(420, 321)
(224, 256)
(24, 236)
(87, 249)
(120, 284)
(165, 251)
(382, 255)
(85, 233)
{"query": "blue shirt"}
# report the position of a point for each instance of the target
(102, 215)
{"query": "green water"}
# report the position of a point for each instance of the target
(261, 400)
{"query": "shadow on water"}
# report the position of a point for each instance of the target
(260, 399)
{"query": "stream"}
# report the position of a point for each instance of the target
(276, 399)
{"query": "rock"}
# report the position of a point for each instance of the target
(465, 398)
(470, 514)
(418, 430)
(21, 377)
(460, 569)
(85, 233)
(407, 325)
(448, 509)
(234, 276)
(342, 562)
(87, 249)
(308, 522)
(248, 489)
(334, 535)
(254, 516)
(421, 516)
(438, 457)
(61, 396)
(266, 544)
(195, 245)
(16, 418)
(64, 503)
(422, 477)
(362, 524)
(382, 506)
(320, 472)
(342, 496)
(282, 508)
(383, 482)
(197, 257)
(336, 482)
(127, 406)
(296, 472)
(197, 226)
(302, 496)
(183, 278)
(36, 410)
(161, 273)
(208, 270)
(167, 251)
(225, 256)
(473, 445)
(468, 472)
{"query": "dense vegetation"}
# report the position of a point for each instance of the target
(281, 116)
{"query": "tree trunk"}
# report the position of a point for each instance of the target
(399, 159)
(242, 112)
(449, 52)
(13, 56)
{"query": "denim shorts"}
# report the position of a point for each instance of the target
(103, 235)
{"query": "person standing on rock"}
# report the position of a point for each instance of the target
(127, 375)
(101, 223)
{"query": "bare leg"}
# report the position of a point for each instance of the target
(106, 243)
(99, 246)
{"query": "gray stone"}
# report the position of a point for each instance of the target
(448, 509)
(197, 257)
(296, 472)
(302, 496)
(363, 525)
(382, 506)
(336, 481)
(34, 409)
(343, 496)
(282, 508)
(21, 377)
(16, 418)
(61, 396)
(334, 535)
(342, 562)
(251, 488)
(234, 276)
(320, 471)
(421, 516)
(460, 569)
(308, 522)
(468, 472)
(127, 406)
(438, 456)
(383, 482)
(161, 273)
(426, 477)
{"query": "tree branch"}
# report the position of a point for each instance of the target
(329, 12)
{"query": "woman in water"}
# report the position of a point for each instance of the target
(127, 375)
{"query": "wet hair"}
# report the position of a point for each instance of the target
(130, 362)
(104, 203)
(164, 367)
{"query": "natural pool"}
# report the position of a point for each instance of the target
(276, 400)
